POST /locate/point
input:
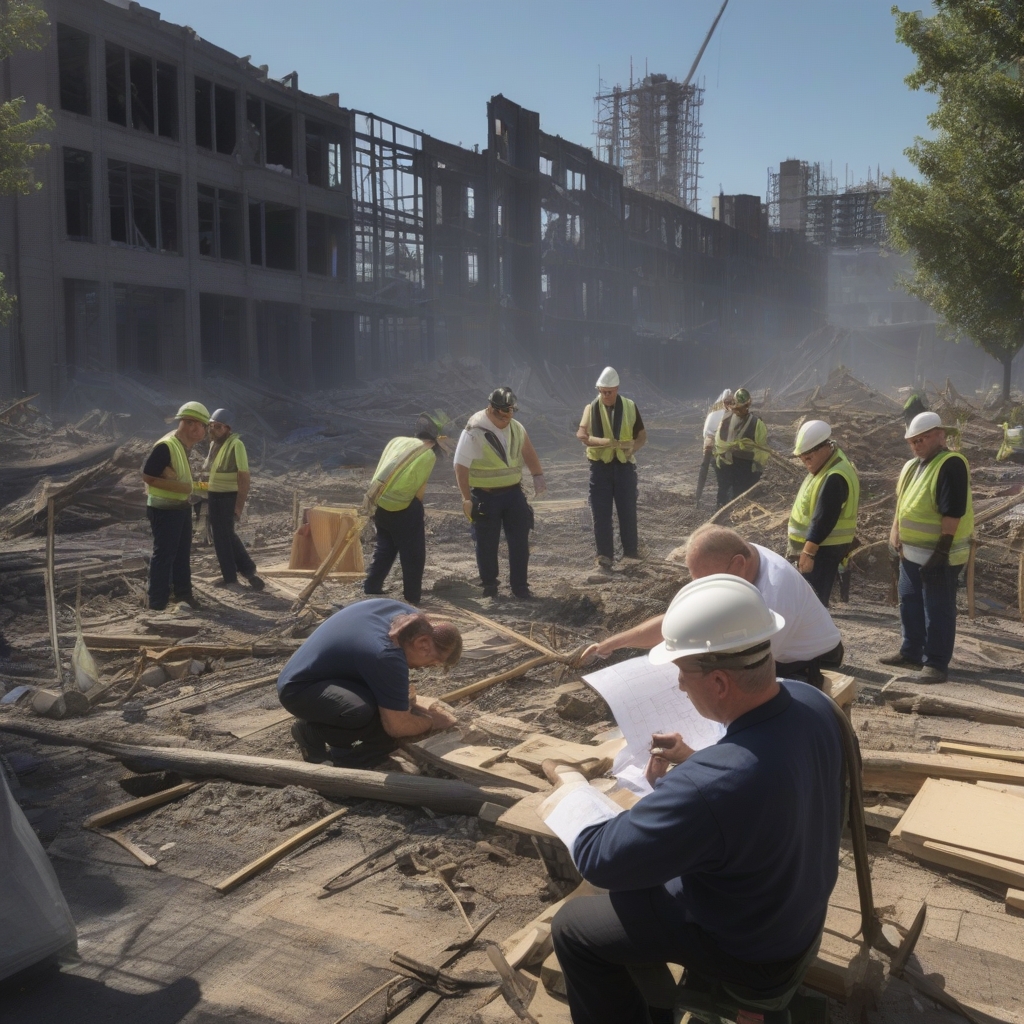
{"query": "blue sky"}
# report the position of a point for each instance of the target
(814, 79)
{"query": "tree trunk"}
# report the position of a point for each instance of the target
(1007, 371)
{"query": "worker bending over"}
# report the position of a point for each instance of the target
(399, 483)
(489, 463)
(348, 684)
(806, 643)
(823, 521)
(712, 422)
(169, 485)
(931, 537)
(741, 449)
(727, 867)
(227, 489)
(612, 431)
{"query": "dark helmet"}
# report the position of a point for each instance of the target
(503, 398)
(426, 428)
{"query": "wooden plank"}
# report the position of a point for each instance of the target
(513, 673)
(499, 627)
(905, 772)
(538, 748)
(1015, 899)
(126, 844)
(952, 747)
(524, 819)
(306, 574)
(143, 803)
(336, 554)
(840, 687)
(1007, 872)
(954, 707)
(475, 763)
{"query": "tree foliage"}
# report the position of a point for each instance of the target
(963, 223)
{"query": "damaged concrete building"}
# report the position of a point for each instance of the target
(198, 217)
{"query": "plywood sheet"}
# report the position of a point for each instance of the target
(314, 539)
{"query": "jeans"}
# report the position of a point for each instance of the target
(493, 510)
(598, 937)
(231, 554)
(826, 567)
(734, 478)
(928, 612)
(614, 481)
(400, 534)
(172, 555)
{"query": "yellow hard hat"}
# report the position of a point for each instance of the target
(193, 411)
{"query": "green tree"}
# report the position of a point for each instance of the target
(963, 223)
(23, 25)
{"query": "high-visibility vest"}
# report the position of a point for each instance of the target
(156, 496)
(222, 481)
(491, 469)
(402, 487)
(807, 501)
(607, 454)
(1013, 442)
(917, 513)
(749, 445)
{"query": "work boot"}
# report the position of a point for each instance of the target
(312, 749)
(225, 583)
(254, 581)
(897, 660)
(490, 590)
(604, 563)
(526, 594)
(931, 674)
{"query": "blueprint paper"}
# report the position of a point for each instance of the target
(569, 814)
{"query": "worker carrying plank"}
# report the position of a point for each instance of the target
(612, 432)
(930, 541)
(396, 496)
(808, 642)
(727, 867)
(712, 422)
(169, 487)
(823, 520)
(489, 460)
(348, 684)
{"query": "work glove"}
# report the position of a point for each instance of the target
(940, 556)
(539, 485)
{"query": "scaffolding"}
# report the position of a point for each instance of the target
(792, 193)
(651, 132)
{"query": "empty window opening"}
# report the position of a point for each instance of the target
(82, 340)
(548, 224)
(149, 330)
(220, 223)
(216, 113)
(438, 204)
(335, 164)
(117, 89)
(575, 181)
(221, 330)
(332, 347)
(256, 234)
(204, 113)
(143, 108)
(439, 270)
(545, 286)
(143, 207)
(78, 194)
(472, 268)
(500, 219)
(470, 202)
(73, 63)
(278, 125)
(277, 340)
(324, 245)
(276, 242)
(574, 229)
(141, 94)
(324, 156)
(167, 100)
(546, 165)
(254, 123)
(679, 236)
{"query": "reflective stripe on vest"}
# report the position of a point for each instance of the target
(920, 521)
(807, 501)
(222, 482)
(625, 431)
(490, 470)
(157, 497)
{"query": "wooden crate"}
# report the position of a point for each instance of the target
(314, 539)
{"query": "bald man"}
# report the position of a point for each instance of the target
(808, 642)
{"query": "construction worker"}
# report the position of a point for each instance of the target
(823, 520)
(612, 431)
(348, 684)
(489, 463)
(169, 486)
(399, 482)
(809, 640)
(1012, 448)
(741, 449)
(227, 466)
(712, 422)
(930, 535)
(727, 866)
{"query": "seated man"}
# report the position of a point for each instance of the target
(727, 867)
(348, 684)
(807, 643)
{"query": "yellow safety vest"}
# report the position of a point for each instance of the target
(404, 485)
(491, 470)
(157, 497)
(1013, 441)
(807, 501)
(221, 481)
(917, 513)
(606, 454)
(750, 445)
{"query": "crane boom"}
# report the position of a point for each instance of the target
(707, 39)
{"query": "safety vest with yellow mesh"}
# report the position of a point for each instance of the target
(751, 444)
(156, 496)
(917, 513)
(1013, 442)
(610, 452)
(491, 470)
(807, 501)
(404, 485)
(222, 480)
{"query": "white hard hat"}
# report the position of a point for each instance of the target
(608, 379)
(810, 435)
(923, 422)
(715, 614)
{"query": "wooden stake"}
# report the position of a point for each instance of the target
(506, 631)
(336, 554)
(51, 601)
(501, 677)
(144, 803)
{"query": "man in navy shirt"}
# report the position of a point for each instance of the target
(348, 684)
(727, 867)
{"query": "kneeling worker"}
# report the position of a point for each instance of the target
(348, 684)
(727, 867)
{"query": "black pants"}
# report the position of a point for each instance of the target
(734, 478)
(826, 567)
(172, 555)
(492, 511)
(341, 712)
(614, 482)
(810, 671)
(400, 534)
(598, 937)
(231, 554)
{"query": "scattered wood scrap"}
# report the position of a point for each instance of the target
(1006, 711)
(143, 803)
(533, 752)
(474, 763)
(905, 771)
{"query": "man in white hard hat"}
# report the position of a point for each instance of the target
(823, 520)
(808, 642)
(169, 485)
(931, 536)
(612, 432)
(712, 422)
(727, 867)
(741, 448)
(227, 466)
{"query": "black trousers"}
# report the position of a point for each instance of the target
(598, 937)
(734, 478)
(826, 567)
(614, 482)
(493, 511)
(810, 671)
(401, 534)
(171, 564)
(343, 714)
(231, 554)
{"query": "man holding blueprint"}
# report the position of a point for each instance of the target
(726, 867)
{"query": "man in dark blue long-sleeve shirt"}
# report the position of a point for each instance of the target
(727, 867)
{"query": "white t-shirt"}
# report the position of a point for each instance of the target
(809, 630)
(471, 441)
(712, 423)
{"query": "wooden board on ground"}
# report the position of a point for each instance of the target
(523, 818)
(973, 750)
(905, 771)
(841, 688)
(538, 748)
(473, 762)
